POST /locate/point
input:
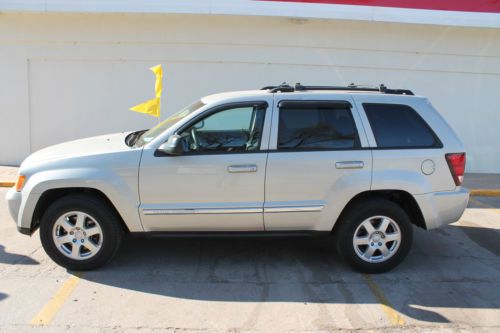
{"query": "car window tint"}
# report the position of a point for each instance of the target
(237, 129)
(398, 126)
(238, 118)
(316, 127)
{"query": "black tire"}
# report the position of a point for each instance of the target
(106, 217)
(355, 216)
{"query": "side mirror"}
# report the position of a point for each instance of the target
(173, 146)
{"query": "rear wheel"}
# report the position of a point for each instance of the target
(374, 236)
(80, 232)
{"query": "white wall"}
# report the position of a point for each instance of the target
(67, 76)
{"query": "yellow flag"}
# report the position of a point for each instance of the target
(152, 107)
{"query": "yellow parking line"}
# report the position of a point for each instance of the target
(393, 316)
(49, 311)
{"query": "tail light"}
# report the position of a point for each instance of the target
(456, 162)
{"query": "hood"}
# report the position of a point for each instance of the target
(96, 145)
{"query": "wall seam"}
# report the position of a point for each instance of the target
(28, 90)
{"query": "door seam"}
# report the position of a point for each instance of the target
(267, 159)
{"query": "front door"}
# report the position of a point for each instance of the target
(218, 183)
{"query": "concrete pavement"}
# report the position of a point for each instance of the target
(450, 282)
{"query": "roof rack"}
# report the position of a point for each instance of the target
(284, 87)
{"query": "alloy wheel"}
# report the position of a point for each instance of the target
(77, 235)
(377, 239)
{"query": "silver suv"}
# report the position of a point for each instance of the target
(361, 164)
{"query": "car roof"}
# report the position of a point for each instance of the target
(233, 94)
(214, 98)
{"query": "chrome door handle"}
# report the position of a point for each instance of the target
(242, 168)
(349, 165)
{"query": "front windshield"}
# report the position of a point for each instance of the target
(167, 123)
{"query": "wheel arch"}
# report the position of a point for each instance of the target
(50, 196)
(402, 198)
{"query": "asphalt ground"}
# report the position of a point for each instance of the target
(449, 282)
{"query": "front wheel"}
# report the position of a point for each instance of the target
(374, 236)
(80, 232)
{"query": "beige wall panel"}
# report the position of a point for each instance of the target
(75, 75)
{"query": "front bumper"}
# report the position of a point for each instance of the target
(441, 208)
(14, 200)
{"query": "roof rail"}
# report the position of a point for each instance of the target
(284, 87)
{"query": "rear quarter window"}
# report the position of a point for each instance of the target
(399, 126)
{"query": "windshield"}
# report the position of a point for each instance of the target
(167, 123)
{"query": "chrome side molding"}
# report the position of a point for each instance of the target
(293, 209)
(242, 210)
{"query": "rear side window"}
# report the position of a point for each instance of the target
(399, 126)
(316, 126)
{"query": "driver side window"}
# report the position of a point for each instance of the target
(236, 129)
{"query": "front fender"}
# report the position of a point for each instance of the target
(120, 188)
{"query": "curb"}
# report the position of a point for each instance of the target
(485, 193)
(7, 184)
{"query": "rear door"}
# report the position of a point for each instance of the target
(318, 160)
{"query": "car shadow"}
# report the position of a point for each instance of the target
(451, 267)
(15, 259)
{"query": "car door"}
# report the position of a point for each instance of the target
(318, 160)
(217, 184)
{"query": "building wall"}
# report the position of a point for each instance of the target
(68, 76)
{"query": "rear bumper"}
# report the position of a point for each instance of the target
(441, 208)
